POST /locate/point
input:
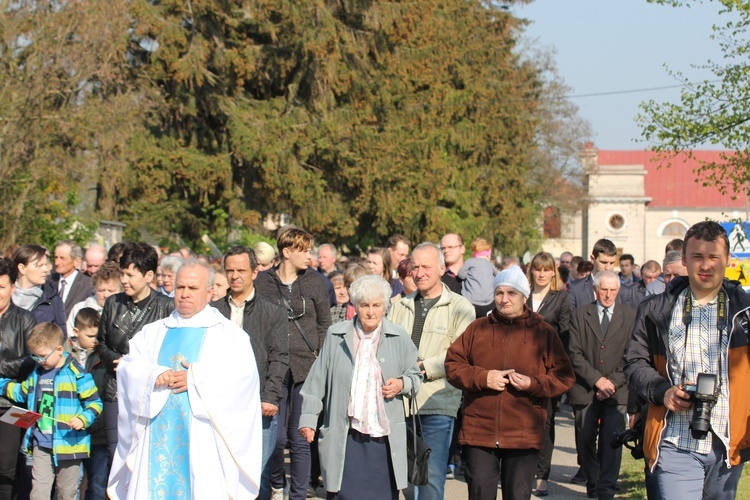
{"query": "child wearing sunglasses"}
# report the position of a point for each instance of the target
(66, 397)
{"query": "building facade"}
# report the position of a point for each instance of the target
(640, 202)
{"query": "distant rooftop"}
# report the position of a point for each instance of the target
(675, 186)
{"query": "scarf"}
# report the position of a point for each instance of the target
(350, 311)
(25, 298)
(366, 403)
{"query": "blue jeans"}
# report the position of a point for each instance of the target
(436, 431)
(269, 443)
(97, 471)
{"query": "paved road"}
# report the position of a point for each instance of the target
(563, 466)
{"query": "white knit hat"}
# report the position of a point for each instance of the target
(514, 278)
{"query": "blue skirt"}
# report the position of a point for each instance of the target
(368, 473)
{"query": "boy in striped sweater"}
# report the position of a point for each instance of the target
(66, 396)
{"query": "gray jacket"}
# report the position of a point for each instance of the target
(329, 384)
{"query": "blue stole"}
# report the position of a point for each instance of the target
(169, 461)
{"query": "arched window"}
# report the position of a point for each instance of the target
(552, 225)
(674, 229)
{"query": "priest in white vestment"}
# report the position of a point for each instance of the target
(190, 418)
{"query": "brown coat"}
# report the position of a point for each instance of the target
(510, 419)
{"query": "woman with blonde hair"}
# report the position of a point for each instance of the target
(548, 300)
(265, 254)
(379, 260)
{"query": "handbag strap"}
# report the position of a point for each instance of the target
(290, 313)
(414, 417)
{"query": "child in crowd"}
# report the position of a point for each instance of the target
(66, 396)
(476, 277)
(97, 465)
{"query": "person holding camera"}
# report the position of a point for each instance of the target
(688, 357)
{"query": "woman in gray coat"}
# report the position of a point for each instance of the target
(366, 366)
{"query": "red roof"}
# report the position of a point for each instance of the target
(675, 186)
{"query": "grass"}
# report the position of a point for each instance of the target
(632, 483)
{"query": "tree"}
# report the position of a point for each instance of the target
(412, 117)
(356, 119)
(53, 57)
(711, 112)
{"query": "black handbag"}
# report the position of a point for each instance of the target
(417, 452)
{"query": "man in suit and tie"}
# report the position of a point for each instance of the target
(599, 335)
(581, 292)
(72, 285)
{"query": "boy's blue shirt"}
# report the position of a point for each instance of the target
(75, 396)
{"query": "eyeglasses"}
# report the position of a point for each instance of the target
(44, 359)
(290, 312)
(450, 247)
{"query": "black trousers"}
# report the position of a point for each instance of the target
(514, 469)
(545, 455)
(592, 420)
(10, 446)
(111, 411)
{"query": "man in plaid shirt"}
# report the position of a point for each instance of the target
(699, 325)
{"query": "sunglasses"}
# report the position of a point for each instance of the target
(290, 312)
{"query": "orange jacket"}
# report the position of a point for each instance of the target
(646, 366)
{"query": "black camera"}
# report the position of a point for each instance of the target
(703, 396)
(631, 439)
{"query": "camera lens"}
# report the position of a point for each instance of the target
(701, 423)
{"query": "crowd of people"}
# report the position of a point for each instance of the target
(173, 375)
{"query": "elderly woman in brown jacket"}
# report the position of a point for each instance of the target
(507, 365)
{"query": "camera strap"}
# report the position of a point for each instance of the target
(721, 324)
(290, 317)
(721, 304)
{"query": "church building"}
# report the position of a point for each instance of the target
(640, 201)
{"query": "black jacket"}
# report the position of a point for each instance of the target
(116, 328)
(310, 303)
(265, 324)
(555, 309)
(632, 294)
(647, 368)
(49, 308)
(15, 326)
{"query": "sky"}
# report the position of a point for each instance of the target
(620, 47)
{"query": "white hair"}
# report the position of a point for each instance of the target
(193, 262)
(427, 244)
(369, 287)
(330, 247)
(606, 274)
(672, 257)
(171, 263)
